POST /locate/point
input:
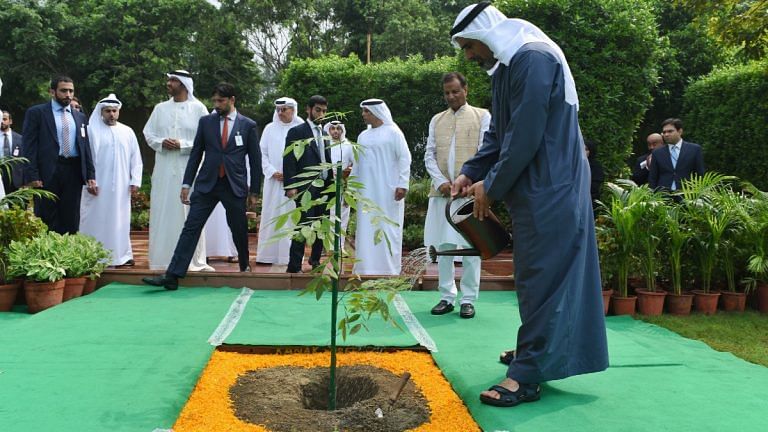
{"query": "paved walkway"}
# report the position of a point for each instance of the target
(500, 265)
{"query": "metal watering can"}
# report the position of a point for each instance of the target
(488, 237)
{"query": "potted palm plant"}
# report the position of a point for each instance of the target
(606, 247)
(711, 209)
(38, 260)
(755, 216)
(732, 249)
(623, 212)
(676, 237)
(650, 301)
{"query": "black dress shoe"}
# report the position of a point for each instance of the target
(467, 311)
(442, 308)
(168, 282)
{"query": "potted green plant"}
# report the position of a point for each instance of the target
(96, 259)
(649, 235)
(15, 224)
(711, 209)
(623, 212)
(38, 260)
(732, 248)
(606, 248)
(755, 217)
(83, 258)
(676, 237)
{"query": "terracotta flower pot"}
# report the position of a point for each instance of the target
(43, 295)
(679, 304)
(73, 287)
(606, 300)
(8, 294)
(650, 302)
(733, 301)
(623, 305)
(762, 298)
(705, 303)
(90, 286)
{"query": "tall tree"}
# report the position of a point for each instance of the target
(124, 46)
(739, 23)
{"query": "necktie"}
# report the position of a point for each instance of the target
(65, 144)
(673, 154)
(224, 139)
(6, 146)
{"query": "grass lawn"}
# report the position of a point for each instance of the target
(743, 334)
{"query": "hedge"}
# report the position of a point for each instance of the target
(727, 113)
(611, 46)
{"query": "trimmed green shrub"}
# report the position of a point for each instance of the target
(611, 47)
(411, 89)
(727, 112)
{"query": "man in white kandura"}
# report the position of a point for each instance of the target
(341, 152)
(454, 136)
(117, 158)
(384, 168)
(274, 202)
(170, 132)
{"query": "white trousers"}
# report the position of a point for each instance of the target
(470, 279)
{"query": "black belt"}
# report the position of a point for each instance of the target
(69, 160)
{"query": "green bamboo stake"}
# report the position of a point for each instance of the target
(335, 290)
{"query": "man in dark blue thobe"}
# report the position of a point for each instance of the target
(533, 158)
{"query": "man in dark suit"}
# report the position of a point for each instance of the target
(676, 161)
(226, 137)
(55, 142)
(642, 165)
(315, 154)
(10, 146)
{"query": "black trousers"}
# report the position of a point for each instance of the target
(296, 254)
(63, 214)
(201, 207)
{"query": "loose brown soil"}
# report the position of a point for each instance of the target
(295, 399)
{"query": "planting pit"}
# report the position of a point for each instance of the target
(290, 398)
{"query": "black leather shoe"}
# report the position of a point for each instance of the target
(467, 311)
(168, 282)
(290, 270)
(442, 308)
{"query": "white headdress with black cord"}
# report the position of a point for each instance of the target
(504, 36)
(186, 79)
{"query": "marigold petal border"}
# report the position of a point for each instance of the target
(209, 407)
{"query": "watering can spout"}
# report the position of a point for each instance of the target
(488, 237)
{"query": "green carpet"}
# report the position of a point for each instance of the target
(127, 357)
(658, 381)
(285, 318)
(124, 358)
